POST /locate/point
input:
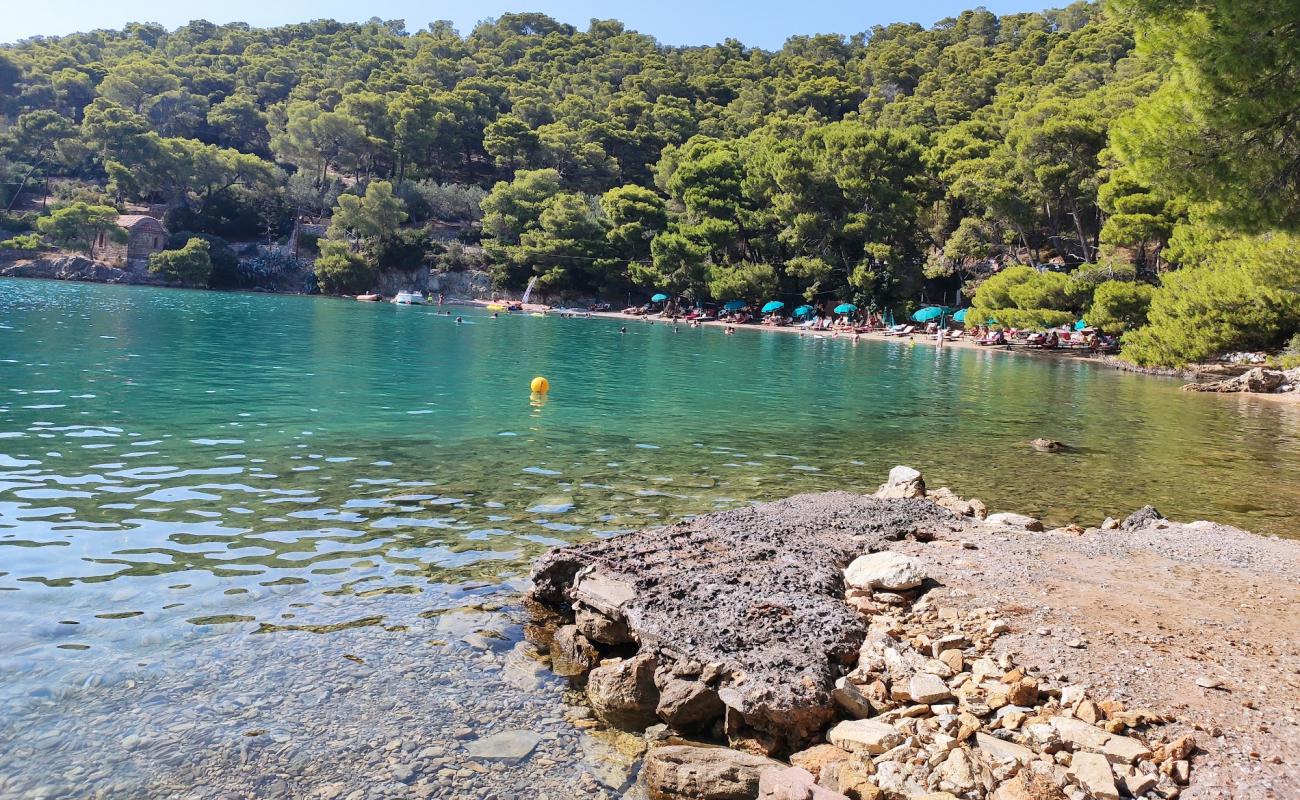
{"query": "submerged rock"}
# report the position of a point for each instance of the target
(1047, 445)
(510, 746)
(623, 693)
(687, 772)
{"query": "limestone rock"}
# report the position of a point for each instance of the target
(571, 653)
(1027, 785)
(686, 704)
(1079, 733)
(885, 570)
(864, 736)
(927, 689)
(605, 594)
(599, 628)
(1124, 750)
(1092, 771)
(849, 697)
(902, 482)
(792, 783)
(1141, 518)
(1011, 520)
(1001, 750)
(623, 693)
(956, 772)
(818, 757)
(511, 746)
(687, 772)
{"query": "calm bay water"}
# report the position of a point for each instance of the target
(206, 493)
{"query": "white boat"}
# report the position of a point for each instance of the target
(409, 299)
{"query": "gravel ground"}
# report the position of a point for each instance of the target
(1142, 616)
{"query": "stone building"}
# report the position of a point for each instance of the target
(145, 236)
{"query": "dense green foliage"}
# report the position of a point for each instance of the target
(76, 226)
(891, 166)
(837, 167)
(189, 266)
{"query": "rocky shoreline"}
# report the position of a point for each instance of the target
(839, 646)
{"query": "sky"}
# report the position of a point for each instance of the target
(760, 23)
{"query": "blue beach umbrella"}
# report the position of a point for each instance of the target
(659, 298)
(773, 305)
(845, 308)
(927, 314)
(803, 311)
(960, 316)
(734, 305)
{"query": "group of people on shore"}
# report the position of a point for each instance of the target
(857, 325)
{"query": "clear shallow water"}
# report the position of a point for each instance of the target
(184, 474)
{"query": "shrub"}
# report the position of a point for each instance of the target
(1119, 306)
(191, 265)
(1245, 296)
(341, 271)
(225, 262)
(23, 241)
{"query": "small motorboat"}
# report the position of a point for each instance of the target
(409, 299)
(369, 298)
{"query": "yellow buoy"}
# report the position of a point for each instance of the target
(540, 385)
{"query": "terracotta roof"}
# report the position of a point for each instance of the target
(129, 221)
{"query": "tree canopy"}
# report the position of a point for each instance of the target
(888, 167)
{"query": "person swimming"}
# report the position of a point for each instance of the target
(459, 320)
(623, 329)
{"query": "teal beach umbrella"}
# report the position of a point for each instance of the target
(960, 316)
(773, 305)
(1080, 325)
(803, 311)
(927, 314)
(845, 308)
(734, 305)
(659, 298)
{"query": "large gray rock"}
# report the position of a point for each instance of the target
(885, 570)
(903, 482)
(687, 772)
(759, 591)
(623, 693)
(1144, 516)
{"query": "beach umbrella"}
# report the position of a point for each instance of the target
(845, 308)
(773, 305)
(1080, 325)
(659, 298)
(927, 314)
(960, 316)
(734, 305)
(803, 311)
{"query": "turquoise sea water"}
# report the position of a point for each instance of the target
(182, 471)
